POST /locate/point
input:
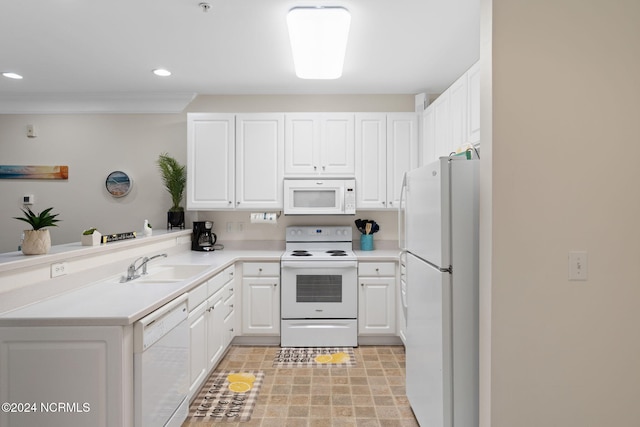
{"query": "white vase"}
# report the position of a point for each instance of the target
(36, 242)
(91, 239)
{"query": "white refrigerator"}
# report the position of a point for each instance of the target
(439, 236)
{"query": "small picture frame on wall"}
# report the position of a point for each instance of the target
(118, 184)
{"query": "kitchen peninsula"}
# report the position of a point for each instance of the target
(81, 329)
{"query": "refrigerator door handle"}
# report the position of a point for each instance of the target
(402, 224)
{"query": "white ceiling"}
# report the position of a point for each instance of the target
(89, 55)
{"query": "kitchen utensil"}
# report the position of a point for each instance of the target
(368, 228)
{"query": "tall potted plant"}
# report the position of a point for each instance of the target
(37, 241)
(174, 178)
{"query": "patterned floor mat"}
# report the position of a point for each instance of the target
(227, 396)
(314, 357)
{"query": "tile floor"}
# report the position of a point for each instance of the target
(371, 394)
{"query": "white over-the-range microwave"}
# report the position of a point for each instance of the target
(318, 196)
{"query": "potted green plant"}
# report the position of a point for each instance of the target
(174, 178)
(37, 241)
(91, 237)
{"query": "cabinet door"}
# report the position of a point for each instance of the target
(473, 104)
(458, 113)
(210, 161)
(376, 306)
(230, 329)
(402, 152)
(428, 143)
(261, 305)
(442, 125)
(259, 161)
(197, 347)
(371, 160)
(337, 146)
(301, 136)
(215, 328)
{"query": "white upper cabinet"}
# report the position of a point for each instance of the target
(319, 144)
(428, 147)
(452, 121)
(259, 161)
(473, 104)
(386, 148)
(442, 128)
(402, 152)
(458, 113)
(210, 161)
(371, 161)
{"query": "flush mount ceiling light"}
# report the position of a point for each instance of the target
(10, 75)
(161, 72)
(318, 40)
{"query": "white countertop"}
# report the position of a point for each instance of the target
(111, 303)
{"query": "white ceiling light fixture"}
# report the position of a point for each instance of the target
(10, 75)
(318, 38)
(161, 72)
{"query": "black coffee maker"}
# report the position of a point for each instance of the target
(203, 238)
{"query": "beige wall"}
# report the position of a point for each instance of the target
(565, 108)
(93, 145)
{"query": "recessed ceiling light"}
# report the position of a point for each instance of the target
(162, 72)
(12, 75)
(318, 40)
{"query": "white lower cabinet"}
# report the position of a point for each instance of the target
(66, 376)
(261, 298)
(376, 299)
(208, 332)
(215, 329)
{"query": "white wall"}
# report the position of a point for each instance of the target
(565, 109)
(95, 145)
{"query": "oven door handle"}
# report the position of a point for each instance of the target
(319, 264)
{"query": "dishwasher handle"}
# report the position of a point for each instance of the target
(151, 328)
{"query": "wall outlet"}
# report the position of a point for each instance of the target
(59, 269)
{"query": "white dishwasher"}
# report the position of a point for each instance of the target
(161, 366)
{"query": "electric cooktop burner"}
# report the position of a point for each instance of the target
(300, 253)
(337, 252)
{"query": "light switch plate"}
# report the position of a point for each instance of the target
(578, 265)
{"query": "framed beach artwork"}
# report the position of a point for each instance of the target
(33, 172)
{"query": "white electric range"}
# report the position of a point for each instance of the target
(319, 295)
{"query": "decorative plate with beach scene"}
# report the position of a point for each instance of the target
(118, 184)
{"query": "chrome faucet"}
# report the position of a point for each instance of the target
(132, 270)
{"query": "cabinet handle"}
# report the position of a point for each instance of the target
(231, 330)
(260, 270)
(229, 201)
(324, 167)
(275, 284)
(230, 289)
(230, 305)
(237, 203)
(315, 168)
(384, 203)
(377, 270)
(390, 203)
(361, 284)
